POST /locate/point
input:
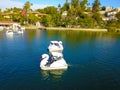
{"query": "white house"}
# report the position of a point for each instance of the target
(108, 8)
(64, 13)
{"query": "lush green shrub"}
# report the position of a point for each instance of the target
(111, 29)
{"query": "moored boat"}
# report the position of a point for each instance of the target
(9, 32)
(20, 31)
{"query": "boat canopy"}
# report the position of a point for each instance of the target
(58, 54)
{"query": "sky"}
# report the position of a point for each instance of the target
(44, 3)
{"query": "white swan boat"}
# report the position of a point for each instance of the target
(57, 61)
(9, 32)
(20, 31)
(55, 46)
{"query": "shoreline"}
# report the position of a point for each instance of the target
(62, 28)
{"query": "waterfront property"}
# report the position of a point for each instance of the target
(11, 25)
(8, 24)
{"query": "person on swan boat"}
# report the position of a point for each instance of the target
(52, 59)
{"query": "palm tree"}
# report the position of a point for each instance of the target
(26, 8)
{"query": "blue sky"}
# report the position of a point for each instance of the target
(43, 3)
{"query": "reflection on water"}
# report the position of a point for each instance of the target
(9, 36)
(73, 37)
(31, 34)
(52, 74)
(79, 36)
(1, 35)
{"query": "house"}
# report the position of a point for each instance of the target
(118, 9)
(64, 13)
(102, 12)
(7, 15)
(111, 13)
(108, 8)
(9, 24)
(105, 19)
(37, 14)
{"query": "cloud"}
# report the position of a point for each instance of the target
(10, 4)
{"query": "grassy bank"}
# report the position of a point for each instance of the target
(82, 29)
(62, 28)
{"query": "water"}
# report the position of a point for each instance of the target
(93, 58)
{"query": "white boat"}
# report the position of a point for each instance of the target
(23, 28)
(1, 28)
(57, 61)
(55, 46)
(9, 32)
(17, 26)
(20, 31)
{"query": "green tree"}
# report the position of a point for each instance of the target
(27, 6)
(83, 4)
(26, 9)
(118, 16)
(72, 12)
(96, 6)
(22, 20)
(32, 19)
(66, 6)
(56, 19)
(96, 15)
(7, 10)
(59, 5)
(41, 10)
(118, 21)
(53, 17)
(85, 21)
(111, 26)
(50, 10)
(47, 20)
(97, 18)
(16, 15)
(1, 15)
(75, 3)
(103, 8)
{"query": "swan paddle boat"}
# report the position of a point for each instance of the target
(20, 31)
(52, 62)
(9, 32)
(55, 46)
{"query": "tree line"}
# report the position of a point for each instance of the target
(79, 15)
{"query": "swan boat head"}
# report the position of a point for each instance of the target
(44, 60)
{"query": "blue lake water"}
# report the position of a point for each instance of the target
(93, 58)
